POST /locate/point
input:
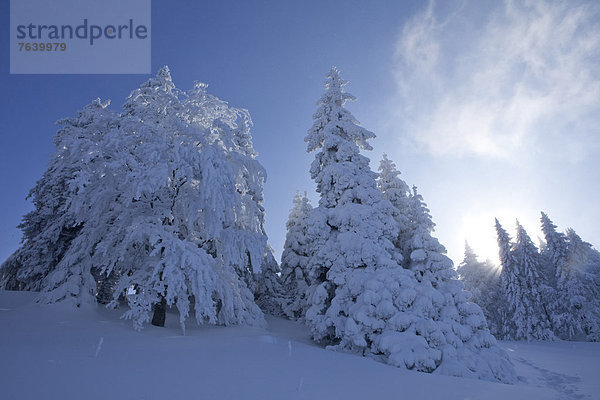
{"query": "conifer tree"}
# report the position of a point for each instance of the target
(53, 227)
(294, 259)
(426, 254)
(526, 300)
(557, 254)
(269, 293)
(579, 291)
(482, 280)
(555, 249)
(361, 298)
(509, 282)
(398, 193)
(353, 227)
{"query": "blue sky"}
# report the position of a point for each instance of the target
(490, 108)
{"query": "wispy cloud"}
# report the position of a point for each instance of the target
(500, 81)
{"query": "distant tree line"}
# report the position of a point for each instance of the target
(538, 294)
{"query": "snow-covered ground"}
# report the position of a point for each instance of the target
(57, 352)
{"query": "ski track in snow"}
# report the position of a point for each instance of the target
(562, 383)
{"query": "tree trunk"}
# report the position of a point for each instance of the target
(160, 311)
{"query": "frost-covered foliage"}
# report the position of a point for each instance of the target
(269, 293)
(554, 249)
(353, 227)
(166, 200)
(508, 280)
(549, 293)
(524, 287)
(461, 322)
(426, 254)
(482, 280)
(362, 299)
(44, 261)
(398, 193)
(579, 290)
(574, 306)
(294, 259)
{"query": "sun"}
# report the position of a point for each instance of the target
(478, 229)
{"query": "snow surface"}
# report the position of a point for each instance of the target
(60, 352)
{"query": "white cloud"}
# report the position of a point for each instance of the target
(498, 82)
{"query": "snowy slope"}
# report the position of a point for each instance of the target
(58, 352)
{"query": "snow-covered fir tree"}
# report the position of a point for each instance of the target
(482, 280)
(565, 316)
(526, 315)
(269, 294)
(574, 305)
(443, 299)
(552, 292)
(579, 290)
(294, 259)
(398, 193)
(555, 246)
(362, 299)
(509, 282)
(49, 231)
(352, 226)
(426, 255)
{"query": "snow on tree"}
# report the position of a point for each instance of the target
(294, 259)
(171, 210)
(230, 132)
(509, 282)
(426, 254)
(52, 229)
(269, 293)
(527, 316)
(354, 231)
(555, 248)
(552, 292)
(482, 280)
(353, 226)
(579, 291)
(398, 193)
(565, 316)
(461, 322)
(197, 190)
(361, 298)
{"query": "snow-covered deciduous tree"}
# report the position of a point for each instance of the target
(168, 207)
(194, 195)
(482, 280)
(361, 297)
(294, 259)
